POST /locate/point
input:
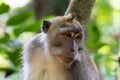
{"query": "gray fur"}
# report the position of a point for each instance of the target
(40, 61)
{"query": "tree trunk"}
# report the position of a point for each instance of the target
(48, 7)
(82, 10)
(42, 8)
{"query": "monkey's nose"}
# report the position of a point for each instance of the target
(72, 50)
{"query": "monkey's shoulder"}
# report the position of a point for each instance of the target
(34, 42)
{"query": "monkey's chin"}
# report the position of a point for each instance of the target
(66, 59)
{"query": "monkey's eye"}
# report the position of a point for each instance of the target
(78, 37)
(68, 35)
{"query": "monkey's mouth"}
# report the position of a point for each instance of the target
(66, 59)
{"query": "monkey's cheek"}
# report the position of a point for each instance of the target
(65, 59)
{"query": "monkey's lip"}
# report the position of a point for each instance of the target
(66, 59)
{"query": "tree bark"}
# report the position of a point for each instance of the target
(42, 8)
(82, 10)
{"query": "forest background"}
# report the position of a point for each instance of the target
(19, 22)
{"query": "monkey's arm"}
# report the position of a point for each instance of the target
(85, 68)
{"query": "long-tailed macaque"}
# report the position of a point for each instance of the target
(54, 53)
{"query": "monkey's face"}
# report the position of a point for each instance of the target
(67, 44)
(65, 38)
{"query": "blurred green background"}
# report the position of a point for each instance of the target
(19, 22)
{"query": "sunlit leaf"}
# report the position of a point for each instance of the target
(105, 49)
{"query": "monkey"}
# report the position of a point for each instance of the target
(54, 54)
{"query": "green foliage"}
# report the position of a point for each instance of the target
(103, 42)
(94, 36)
(4, 8)
(11, 44)
(19, 18)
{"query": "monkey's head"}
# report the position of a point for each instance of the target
(64, 37)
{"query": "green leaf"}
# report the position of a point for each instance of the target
(94, 36)
(4, 8)
(13, 49)
(5, 38)
(105, 50)
(33, 27)
(8, 71)
(19, 18)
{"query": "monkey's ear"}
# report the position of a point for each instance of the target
(69, 17)
(45, 26)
